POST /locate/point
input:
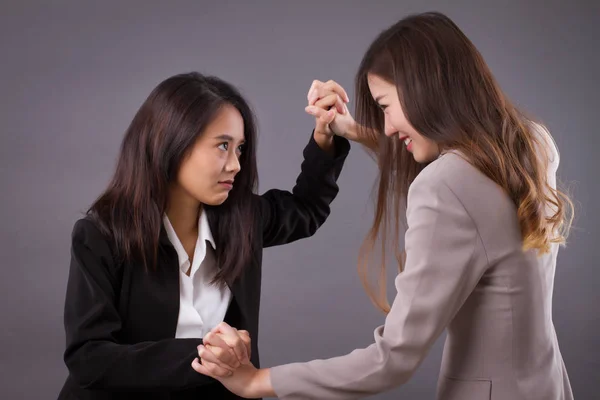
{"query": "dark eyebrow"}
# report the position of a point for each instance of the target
(224, 137)
(228, 138)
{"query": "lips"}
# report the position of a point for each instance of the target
(407, 140)
(228, 184)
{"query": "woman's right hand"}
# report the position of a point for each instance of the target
(327, 103)
(226, 349)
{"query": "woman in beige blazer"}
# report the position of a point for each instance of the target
(484, 222)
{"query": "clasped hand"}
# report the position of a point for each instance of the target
(224, 349)
(225, 356)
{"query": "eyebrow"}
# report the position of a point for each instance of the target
(379, 98)
(228, 138)
(224, 137)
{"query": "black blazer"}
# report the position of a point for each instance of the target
(120, 320)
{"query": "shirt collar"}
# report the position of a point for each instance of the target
(204, 234)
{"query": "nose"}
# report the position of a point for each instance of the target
(233, 163)
(389, 129)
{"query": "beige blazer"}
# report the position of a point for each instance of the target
(465, 272)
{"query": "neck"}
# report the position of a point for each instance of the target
(183, 212)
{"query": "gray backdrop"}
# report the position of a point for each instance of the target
(72, 75)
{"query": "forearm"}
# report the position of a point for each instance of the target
(143, 366)
(289, 216)
(364, 136)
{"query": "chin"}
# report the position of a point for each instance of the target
(418, 158)
(424, 159)
(216, 201)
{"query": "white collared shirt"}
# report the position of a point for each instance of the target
(202, 305)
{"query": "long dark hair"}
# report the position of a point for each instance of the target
(450, 96)
(160, 136)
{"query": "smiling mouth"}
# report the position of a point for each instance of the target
(407, 140)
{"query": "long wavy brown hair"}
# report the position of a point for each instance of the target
(450, 96)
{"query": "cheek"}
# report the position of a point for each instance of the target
(427, 149)
(196, 173)
(397, 118)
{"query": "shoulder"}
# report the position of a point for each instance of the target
(86, 230)
(451, 170)
(88, 236)
(452, 177)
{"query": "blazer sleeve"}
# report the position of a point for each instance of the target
(440, 273)
(288, 216)
(94, 357)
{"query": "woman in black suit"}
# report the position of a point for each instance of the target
(174, 244)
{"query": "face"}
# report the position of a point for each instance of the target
(207, 174)
(385, 94)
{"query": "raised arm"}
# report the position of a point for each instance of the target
(288, 216)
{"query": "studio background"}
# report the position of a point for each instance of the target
(73, 74)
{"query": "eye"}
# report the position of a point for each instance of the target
(382, 106)
(241, 148)
(223, 146)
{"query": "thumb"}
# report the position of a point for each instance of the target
(324, 120)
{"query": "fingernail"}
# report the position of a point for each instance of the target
(310, 110)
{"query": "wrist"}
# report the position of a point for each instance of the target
(264, 387)
(352, 133)
(324, 141)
